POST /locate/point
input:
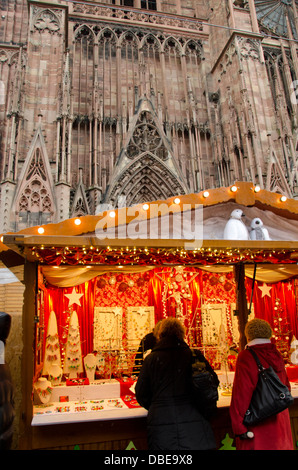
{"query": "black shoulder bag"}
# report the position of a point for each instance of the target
(205, 384)
(269, 398)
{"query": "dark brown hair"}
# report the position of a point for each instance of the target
(171, 327)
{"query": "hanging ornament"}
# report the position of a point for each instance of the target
(112, 280)
(265, 290)
(213, 281)
(228, 286)
(140, 282)
(119, 278)
(101, 283)
(123, 287)
(131, 283)
(74, 297)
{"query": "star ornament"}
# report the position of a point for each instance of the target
(74, 297)
(265, 290)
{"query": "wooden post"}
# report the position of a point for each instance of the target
(29, 310)
(241, 303)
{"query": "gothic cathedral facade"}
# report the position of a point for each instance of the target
(121, 102)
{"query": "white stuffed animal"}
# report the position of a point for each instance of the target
(258, 231)
(235, 229)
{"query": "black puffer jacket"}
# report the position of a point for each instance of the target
(7, 412)
(164, 389)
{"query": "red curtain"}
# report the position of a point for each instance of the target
(266, 307)
(55, 300)
(155, 290)
(165, 305)
(148, 290)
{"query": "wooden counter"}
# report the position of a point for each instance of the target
(115, 428)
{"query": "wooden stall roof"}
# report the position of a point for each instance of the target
(74, 241)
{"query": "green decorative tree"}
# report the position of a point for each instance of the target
(131, 446)
(227, 443)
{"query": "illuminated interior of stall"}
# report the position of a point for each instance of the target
(133, 286)
(117, 306)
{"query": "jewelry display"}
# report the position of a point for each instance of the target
(90, 363)
(52, 346)
(87, 406)
(294, 351)
(107, 328)
(43, 390)
(73, 355)
(62, 409)
(100, 357)
(55, 374)
(176, 289)
(131, 400)
(139, 322)
(102, 351)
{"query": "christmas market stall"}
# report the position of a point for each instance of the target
(95, 286)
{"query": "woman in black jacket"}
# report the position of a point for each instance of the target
(7, 412)
(164, 388)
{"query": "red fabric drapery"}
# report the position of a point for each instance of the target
(148, 290)
(265, 305)
(55, 300)
(161, 294)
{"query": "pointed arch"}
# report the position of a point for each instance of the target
(128, 36)
(34, 201)
(171, 43)
(147, 157)
(276, 181)
(145, 179)
(84, 31)
(150, 39)
(108, 34)
(45, 18)
(193, 46)
(80, 205)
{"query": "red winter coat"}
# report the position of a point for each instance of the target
(275, 432)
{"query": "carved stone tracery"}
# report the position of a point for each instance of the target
(146, 177)
(46, 19)
(146, 138)
(35, 195)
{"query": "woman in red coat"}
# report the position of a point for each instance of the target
(275, 432)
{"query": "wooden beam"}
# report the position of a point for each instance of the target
(241, 303)
(29, 307)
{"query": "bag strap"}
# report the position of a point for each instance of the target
(260, 367)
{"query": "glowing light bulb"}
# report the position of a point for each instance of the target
(177, 200)
(40, 230)
(78, 221)
(234, 189)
